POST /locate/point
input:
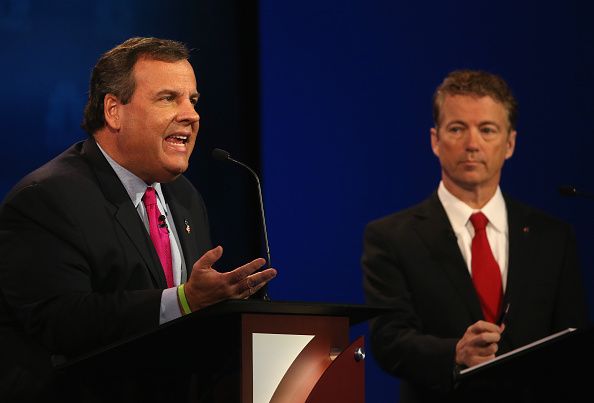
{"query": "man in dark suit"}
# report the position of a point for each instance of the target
(421, 261)
(79, 267)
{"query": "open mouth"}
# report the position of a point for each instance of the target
(177, 139)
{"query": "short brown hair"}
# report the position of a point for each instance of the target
(113, 73)
(478, 83)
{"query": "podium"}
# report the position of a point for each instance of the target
(557, 368)
(246, 351)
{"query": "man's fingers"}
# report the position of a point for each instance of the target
(209, 258)
(252, 283)
(483, 326)
(255, 289)
(263, 276)
(242, 272)
(257, 280)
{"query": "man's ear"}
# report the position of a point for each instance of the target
(434, 141)
(511, 144)
(111, 111)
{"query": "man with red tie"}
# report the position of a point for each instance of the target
(452, 265)
(109, 239)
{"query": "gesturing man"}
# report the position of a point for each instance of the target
(109, 239)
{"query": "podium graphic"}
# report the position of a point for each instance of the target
(260, 352)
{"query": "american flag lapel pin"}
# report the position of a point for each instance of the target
(188, 228)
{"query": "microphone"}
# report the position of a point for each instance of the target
(223, 155)
(163, 223)
(571, 191)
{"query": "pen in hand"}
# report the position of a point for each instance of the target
(504, 314)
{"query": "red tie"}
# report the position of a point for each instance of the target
(159, 233)
(486, 275)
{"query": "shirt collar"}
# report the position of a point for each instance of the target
(496, 211)
(135, 187)
(459, 212)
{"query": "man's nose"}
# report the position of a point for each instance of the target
(188, 113)
(473, 139)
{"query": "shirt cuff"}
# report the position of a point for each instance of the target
(169, 306)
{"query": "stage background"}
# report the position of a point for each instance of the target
(346, 112)
(330, 101)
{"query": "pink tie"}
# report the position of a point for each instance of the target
(486, 275)
(159, 233)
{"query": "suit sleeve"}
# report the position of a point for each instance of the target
(397, 340)
(570, 304)
(48, 281)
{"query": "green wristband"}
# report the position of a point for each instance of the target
(181, 295)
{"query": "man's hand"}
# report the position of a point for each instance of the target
(206, 286)
(479, 343)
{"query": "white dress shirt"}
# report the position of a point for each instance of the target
(459, 214)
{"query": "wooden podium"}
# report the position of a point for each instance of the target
(258, 352)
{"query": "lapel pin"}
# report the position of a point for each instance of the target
(188, 228)
(526, 230)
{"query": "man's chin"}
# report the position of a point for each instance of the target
(468, 182)
(172, 173)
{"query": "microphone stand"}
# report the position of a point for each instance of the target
(223, 155)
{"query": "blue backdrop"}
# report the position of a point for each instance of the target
(346, 111)
(339, 94)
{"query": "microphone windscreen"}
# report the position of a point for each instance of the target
(219, 154)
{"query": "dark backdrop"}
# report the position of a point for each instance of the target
(48, 50)
(346, 112)
(331, 99)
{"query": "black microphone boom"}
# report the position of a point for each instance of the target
(223, 155)
(570, 191)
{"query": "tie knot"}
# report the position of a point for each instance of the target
(149, 197)
(479, 221)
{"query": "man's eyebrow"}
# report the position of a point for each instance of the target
(457, 122)
(482, 123)
(489, 122)
(168, 91)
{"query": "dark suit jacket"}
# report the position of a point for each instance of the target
(77, 266)
(412, 263)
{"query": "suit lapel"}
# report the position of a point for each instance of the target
(519, 267)
(519, 247)
(124, 212)
(435, 230)
(183, 225)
